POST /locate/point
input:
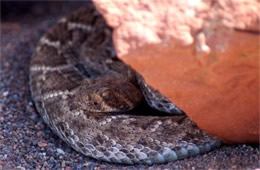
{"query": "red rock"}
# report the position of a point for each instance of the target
(202, 55)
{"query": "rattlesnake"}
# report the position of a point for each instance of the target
(92, 101)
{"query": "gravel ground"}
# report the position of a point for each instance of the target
(25, 141)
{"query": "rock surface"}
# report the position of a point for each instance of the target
(203, 55)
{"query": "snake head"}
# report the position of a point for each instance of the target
(109, 95)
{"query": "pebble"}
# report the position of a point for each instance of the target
(63, 164)
(1, 107)
(39, 134)
(42, 144)
(60, 151)
(20, 168)
(2, 162)
(5, 93)
(67, 168)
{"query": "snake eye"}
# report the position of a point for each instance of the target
(106, 92)
(87, 97)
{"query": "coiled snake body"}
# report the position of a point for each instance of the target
(87, 97)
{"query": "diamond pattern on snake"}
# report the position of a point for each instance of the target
(99, 105)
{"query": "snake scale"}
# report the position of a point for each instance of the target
(93, 101)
